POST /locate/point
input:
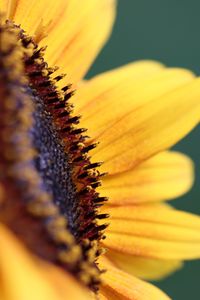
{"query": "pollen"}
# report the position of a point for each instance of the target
(51, 202)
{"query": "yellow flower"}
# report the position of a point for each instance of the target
(52, 219)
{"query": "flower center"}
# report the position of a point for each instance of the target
(49, 198)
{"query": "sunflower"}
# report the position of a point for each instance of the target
(55, 239)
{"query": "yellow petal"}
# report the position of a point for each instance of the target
(164, 176)
(78, 37)
(122, 286)
(3, 5)
(160, 113)
(161, 231)
(109, 97)
(150, 247)
(76, 30)
(102, 297)
(154, 232)
(23, 277)
(92, 96)
(144, 268)
(155, 213)
(149, 128)
(33, 14)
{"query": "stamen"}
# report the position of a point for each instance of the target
(12, 5)
(51, 199)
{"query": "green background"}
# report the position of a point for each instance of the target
(169, 31)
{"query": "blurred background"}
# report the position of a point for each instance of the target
(168, 31)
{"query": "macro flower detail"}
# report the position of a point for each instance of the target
(73, 163)
(60, 165)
